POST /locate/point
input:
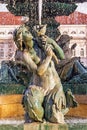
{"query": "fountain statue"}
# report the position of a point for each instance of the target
(70, 69)
(44, 99)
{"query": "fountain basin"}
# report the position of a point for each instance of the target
(81, 110)
(11, 106)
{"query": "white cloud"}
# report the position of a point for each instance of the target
(82, 7)
(3, 8)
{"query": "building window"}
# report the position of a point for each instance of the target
(82, 52)
(1, 54)
(6, 50)
(2, 33)
(65, 32)
(10, 32)
(73, 53)
(81, 32)
(73, 32)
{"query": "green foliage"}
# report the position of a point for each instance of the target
(76, 88)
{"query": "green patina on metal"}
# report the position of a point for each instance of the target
(11, 127)
(47, 127)
(11, 89)
(80, 89)
(39, 127)
(63, 127)
(78, 127)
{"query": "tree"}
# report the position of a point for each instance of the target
(50, 9)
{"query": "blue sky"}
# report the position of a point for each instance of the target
(82, 7)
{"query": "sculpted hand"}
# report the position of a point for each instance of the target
(49, 52)
(52, 54)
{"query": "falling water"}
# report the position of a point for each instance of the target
(73, 120)
(70, 121)
(40, 10)
(11, 122)
(73, 123)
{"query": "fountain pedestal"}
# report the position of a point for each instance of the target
(45, 126)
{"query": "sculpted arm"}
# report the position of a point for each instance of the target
(59, 51)
(57, 48)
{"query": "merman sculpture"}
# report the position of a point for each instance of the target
(70, 68)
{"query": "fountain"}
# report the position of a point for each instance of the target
(44, 100)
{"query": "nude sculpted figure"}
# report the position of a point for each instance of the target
(44, 98)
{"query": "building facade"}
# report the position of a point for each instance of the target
(7, 45)
(75, 25)
(8, 23)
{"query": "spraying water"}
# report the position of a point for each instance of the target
(40, 10)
